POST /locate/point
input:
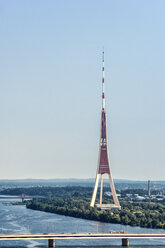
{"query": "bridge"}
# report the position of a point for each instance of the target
(22, 196)
(51, 237)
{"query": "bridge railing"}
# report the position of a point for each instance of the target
(51, 237)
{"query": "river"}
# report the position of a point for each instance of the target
(19, 219)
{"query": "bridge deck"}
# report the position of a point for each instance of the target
(81, 236)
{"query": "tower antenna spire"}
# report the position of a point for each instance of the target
(103, 94)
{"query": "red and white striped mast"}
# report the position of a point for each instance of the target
(103, 94)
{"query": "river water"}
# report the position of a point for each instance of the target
(19, 219)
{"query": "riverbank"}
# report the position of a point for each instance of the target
(142, 214)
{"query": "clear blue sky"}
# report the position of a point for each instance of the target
(50, 87)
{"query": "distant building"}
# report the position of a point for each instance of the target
(108, 193)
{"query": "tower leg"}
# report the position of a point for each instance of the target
(113, 191)
(95, 191)
(101, 190)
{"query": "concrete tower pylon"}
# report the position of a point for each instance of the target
(103, 161)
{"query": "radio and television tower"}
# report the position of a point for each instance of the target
(103, 162)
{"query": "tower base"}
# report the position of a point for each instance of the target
(107, 206)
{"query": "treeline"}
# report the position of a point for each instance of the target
(49, 191)
(143, 214)
(67, 191)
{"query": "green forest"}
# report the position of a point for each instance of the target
(144, 214)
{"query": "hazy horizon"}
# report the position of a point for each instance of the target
(65, 178)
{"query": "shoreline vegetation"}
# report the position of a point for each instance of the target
(75, 202)
(143, 214)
